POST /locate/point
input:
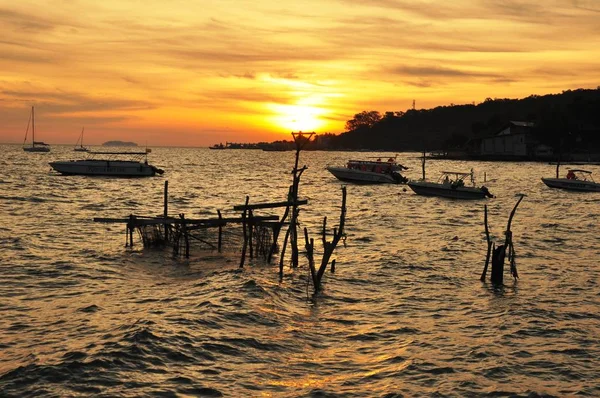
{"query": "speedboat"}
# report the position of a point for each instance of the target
(576, 180)
(370, 172)
(451, 184)
(114, 164)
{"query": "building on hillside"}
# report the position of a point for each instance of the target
(513, 141)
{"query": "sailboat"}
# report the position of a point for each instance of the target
(36, 146)
(80, 148)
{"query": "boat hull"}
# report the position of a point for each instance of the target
(446, 190)
(114, 168)
(362, 177)
(36, 149)
(572, 185)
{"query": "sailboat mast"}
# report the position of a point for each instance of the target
(32, 127)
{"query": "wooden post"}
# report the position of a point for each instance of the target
(423, 164)
(560, 145)
(508, 241)
(300, 139)
(130, 226)
(310, 246)
(499, 253)
(243, 258)
(328, 247)
(294, 221)
(282, 256)
(498, 256)
(489, 243)
(250, 225)
(166, 210)
(277, 228)
(324, 233)
(186, 237)
(220, 232)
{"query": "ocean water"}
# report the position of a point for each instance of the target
(405, 313)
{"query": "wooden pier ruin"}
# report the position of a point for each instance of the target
(502, 252)
(252, 234)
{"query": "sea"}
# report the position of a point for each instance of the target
(404, 314)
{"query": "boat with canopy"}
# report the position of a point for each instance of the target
(113, 164)
(370, 172)
(451, 184)
(576, 180)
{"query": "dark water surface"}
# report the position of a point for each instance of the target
(404, 315)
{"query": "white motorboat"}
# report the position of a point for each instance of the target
(370, 172)
(114, 164)
(36, 146)
(451, 184)
(576, 180)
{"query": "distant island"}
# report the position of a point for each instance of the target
(119, 143)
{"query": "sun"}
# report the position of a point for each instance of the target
(298, 117)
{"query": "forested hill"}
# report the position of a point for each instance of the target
(571, 118)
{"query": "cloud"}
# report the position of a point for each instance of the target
(25, 22)
(437, 71)
(58, 102)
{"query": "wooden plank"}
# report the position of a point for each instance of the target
(171, 220)
(270, 205)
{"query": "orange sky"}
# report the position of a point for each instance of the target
(195, 73)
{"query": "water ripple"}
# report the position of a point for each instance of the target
(403, 315)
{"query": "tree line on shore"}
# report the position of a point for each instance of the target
(569, 120)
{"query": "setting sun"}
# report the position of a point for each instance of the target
(298, 117)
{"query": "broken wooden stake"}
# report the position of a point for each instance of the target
(499, 254)
(328, 247)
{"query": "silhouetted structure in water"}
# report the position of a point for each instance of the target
(256, 235)
(499, 254)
